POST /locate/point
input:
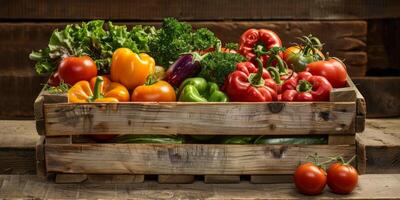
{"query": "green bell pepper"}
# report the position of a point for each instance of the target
(199, 90)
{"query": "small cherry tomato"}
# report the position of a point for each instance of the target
(342, 178)
(310, 179)
(74, 69)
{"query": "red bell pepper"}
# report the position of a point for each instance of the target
(250, 84)
(254, 42)
(306, 87)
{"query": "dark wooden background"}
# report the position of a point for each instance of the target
(366, 33)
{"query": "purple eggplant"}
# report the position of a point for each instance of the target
(186, 66)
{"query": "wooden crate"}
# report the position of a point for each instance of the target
(73, 160)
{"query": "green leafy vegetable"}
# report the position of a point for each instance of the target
(93, 40)
(175, 38)
(61, 89)
(232, 46)
(216, 66)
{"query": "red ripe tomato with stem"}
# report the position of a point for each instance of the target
(310, 179)
(342, 177)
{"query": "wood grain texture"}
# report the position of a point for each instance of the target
(272, 178)
(201, 119)
(381, 94)
(198, 10)
(378, 148)
(190, 159)
(370, 187)
(18, 93)
(361, 108)
(17, 147)
(40, 158)
(221, 179)
(383, 47)
(176, 179)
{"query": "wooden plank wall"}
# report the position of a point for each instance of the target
(351, 30)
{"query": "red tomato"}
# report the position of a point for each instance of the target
(74, 69)
(332, 69)
(342, 178)
(310, 179)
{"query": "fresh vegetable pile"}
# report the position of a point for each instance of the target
(178, 63)
(103, 62)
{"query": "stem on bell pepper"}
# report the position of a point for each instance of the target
(282, 66)
(96, 90)
(256, 79)
(304, 86)
(275, 75)
(259, 50)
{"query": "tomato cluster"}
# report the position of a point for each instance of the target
(311, 178)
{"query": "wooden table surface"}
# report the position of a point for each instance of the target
(29, 186)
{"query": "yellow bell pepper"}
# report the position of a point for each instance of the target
(131, 69)
(100, 89)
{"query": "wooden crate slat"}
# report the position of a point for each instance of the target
(200, 118)
(221, 179)
(176, 179)
(190, 159)
(272, 178)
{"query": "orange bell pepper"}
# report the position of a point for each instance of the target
(154, 91)
(131, 69)
(100, 89)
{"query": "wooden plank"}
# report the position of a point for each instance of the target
(190, 118)
(382, 93)
(40, 158)
(370, 187)
(383, 47)
(183, 158)
(378, 148)
(221, 179)
(272, 178)
(176, 179)
(59, 140)
(343, 39)
(346, 94)
(18, 94)
(70, 178)
(17, 147)
(198, 10)
(99, 178)
(115, 179)
(341, 139)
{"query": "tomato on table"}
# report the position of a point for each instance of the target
(310, 179)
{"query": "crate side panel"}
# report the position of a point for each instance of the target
(201, 118)
(191, 159)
